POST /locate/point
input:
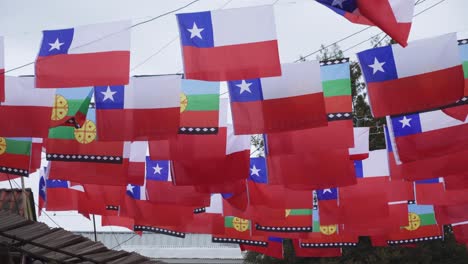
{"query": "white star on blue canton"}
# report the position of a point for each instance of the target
(108, 94)
(157, 169)
(55, 45)
(405, 122)
(377, 66)
(244, 87)
(195, 31)
(254, 171)
(338, 2)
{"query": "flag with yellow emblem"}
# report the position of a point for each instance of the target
(67, 143)
(422, 226)
(71, 106)
(199, 107)
(15, 155)
(327, 235)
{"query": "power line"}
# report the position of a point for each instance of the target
(165, 14)
(125, 241)
(426, 9)
(168, 44)
(36, 205)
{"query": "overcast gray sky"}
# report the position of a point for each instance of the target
(302, 25)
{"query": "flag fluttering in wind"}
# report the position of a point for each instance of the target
(394, 17)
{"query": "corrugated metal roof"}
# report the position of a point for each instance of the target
(164, 247)
(55, 244)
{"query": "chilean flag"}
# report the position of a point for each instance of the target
(289, 102)
(84, 56)
(231, 44)
(149, 107)
(427, 135)
(394, 17)
(161, 190)
(26, 111)
(2, 71)
(42, 192)
(426, 74)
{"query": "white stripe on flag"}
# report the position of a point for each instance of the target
(403, 10)
(138, 151)
(153, 92)
(437, 119)
(216, 204)
(223, 112)
(2, 53)
(426, 55)
(20, 91)
(243, 25)
(236, 143)
(376, 165)
(113, 36)
(296, 79)
(361, 141)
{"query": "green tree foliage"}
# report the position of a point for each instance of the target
(446, 251)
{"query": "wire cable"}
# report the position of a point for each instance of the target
(168, 44)
(36, 205)
(419, 13)
(360, 31)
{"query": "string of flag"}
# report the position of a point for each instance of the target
(165, 154)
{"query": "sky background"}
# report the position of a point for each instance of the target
(302, 26)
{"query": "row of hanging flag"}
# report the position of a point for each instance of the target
(165, 154)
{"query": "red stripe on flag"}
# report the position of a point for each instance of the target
(381, 14)
(187, 147)
(14, 161)
(234, 167)
(466, 87)
(278, 115)
(312, 170)
(338, 134)
(66, 146)
(164, 192)
(89, 173)
(357, 19)
(2, 85)
(233, 62)
(87, 69)
(433, 143)
(416, 93)
(62, 199)
(137, 124)
(25, 121)
(199, 119)
(420, 232)
(339, 104)
(6, 176)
